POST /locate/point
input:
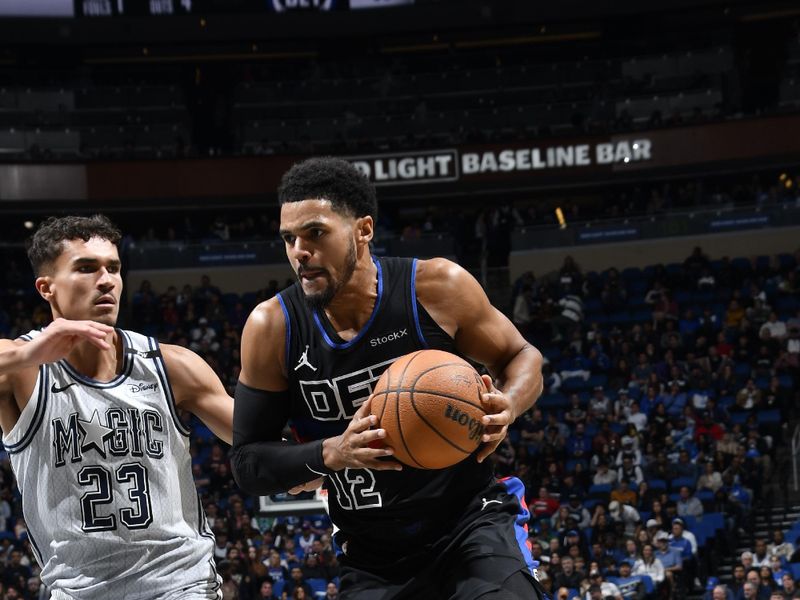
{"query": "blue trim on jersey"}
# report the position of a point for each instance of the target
(38, 415)
(414, 303)
(25, 337)
(366, 327)
(127, 368)
(516, 488)
(288, 321)
(161, 369)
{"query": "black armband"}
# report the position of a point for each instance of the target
(261, 462)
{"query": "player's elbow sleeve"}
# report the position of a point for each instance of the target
(265, 468)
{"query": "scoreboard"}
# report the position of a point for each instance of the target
(140, 8)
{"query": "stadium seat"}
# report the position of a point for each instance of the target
(679, 482)
(769, 417)
(317, 585)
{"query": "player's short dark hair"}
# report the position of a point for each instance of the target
(47, 244)
(333, 179)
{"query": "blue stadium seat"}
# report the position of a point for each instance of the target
(599, 489)
(317, 585)
(769, 417)
(657, 484)
(553, 401)
(679, 482)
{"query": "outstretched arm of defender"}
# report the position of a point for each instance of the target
(197, 388)
(55, 342)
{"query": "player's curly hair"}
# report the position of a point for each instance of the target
(47, 244)
(332, 179)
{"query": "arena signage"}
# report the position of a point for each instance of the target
(450, 165)
(286, 5)
(409, 167)
(579, 155)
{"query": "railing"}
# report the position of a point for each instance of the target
(796, 456)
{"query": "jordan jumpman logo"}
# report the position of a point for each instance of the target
(303, 362)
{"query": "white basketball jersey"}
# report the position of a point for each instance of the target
(106, 481)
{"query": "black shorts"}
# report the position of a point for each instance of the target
(486, 548)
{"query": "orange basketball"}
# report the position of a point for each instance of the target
(429, 403)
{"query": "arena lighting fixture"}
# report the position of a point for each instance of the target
(562, 222)
(28, 224)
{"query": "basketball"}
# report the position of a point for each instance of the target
(429, 403)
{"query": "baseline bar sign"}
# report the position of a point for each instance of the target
(409, 167)
(436, 166)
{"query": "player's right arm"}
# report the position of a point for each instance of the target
(262, 463)
(19, 361)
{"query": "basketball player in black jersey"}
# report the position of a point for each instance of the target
(311, 355)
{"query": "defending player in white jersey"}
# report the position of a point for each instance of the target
(89, 419)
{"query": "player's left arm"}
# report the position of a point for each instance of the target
(198, 390)
(457, 302)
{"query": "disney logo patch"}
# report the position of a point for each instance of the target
(136, 388)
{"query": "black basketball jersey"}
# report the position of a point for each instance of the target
(385, 512)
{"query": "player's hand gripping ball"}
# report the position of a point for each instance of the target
(429, 403)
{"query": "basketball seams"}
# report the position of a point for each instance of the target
(397, 410)
(412, 410)
(435, 393)
(436, 431)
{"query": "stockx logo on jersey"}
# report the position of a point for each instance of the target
(126, 432)
(385, 339)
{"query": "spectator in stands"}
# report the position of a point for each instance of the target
(788, 586)
(265, 591)
(711, 479)
(761, 557)
(777, 571)
(623, 494)
(649, 564)
(774, 328)
(779, 547)
(670, 558)
(748, 397)
(734, 315)
(625, 514)
(716, 591)
(630, 472)
(757, 590)
(685, 467)
(599, 589)
(604, 476)
(571, 316)
(579, 511)
(636, 418)
(688, 504)
(296, 580)
(568, 577)
(575, 414)
(331, 592)
(523, 304)
(630, 587)
(661, 468)
(579, 444)
(599, 405)
(543, 506)
(683, 540)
